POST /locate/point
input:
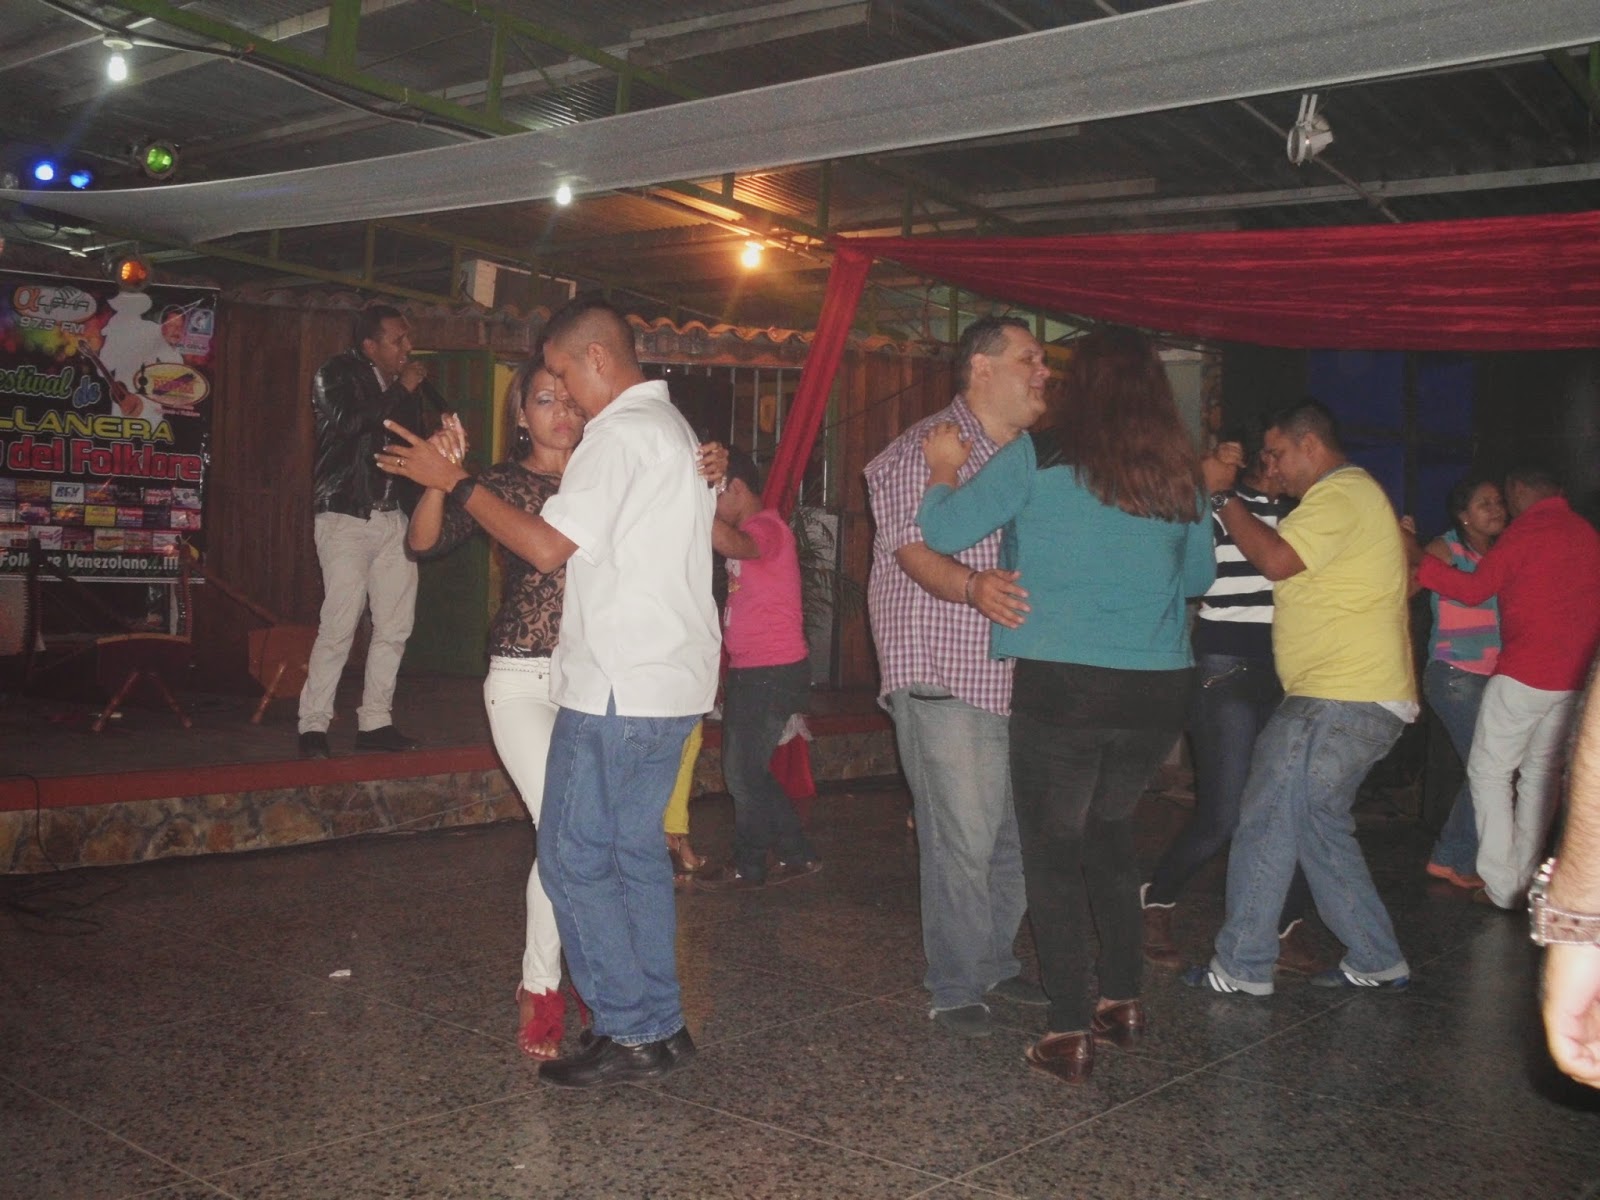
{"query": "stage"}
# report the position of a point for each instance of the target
(148, 788)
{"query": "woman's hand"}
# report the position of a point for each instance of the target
(944, 449)
(417, 460)
(450, 439)
(713, 462)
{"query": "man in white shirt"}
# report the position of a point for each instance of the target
(635, 667)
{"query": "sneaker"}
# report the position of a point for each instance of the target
(1340, 978)
(968, 1021)
(1204, 977)
(314, 744)
(784, 872)
(723, 877)
(386, 739)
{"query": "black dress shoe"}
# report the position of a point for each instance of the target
(314, 744)
(387, 738)
(604, 1062)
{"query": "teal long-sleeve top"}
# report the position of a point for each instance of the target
(1106, 588)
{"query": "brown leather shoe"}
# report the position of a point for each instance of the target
(1122, 1024)
(1067, 1056)
(1297, 951)
(1159, 948)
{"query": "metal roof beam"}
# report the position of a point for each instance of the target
(1577, 80)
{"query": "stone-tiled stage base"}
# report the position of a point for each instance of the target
(50, 821)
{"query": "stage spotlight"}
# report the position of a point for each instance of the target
(44, 171)
(157, 159)
(133, 272)
(80, 178)
(563, 195)
(750, 256)
(116, 65)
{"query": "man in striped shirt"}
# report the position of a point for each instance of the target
(949, 699)
(1236, 690)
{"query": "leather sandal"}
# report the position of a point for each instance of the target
(685, 862)
(1122, 1024)
(1067, 1056)
(539, 1032)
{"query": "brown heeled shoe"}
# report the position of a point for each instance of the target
(1123, 1024)
(1067, 1056)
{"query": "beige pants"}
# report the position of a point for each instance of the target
(364, 564)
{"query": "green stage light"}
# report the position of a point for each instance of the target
(158, 159)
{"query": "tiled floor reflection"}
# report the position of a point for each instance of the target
(337, 1021)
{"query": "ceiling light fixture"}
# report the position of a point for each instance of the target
(157, 159)
(133, 272)
(1310, 134)
(116, 65)
(750, 256)
(563, 195)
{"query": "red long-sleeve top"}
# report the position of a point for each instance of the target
(1545, 570)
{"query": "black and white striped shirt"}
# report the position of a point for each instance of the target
(1236, 613)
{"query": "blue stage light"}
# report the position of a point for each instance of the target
(80, 179)
(44, 171)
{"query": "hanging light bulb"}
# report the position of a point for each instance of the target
(563, 195)
(750, 256)
(116, 65)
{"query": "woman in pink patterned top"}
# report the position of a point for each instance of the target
(1462, 651)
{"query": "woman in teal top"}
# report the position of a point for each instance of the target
(1102, 517)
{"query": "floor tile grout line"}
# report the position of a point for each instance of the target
(117, 1137)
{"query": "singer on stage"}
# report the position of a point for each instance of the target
(361, 516)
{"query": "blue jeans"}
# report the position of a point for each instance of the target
(956, 759)
(1308, 766)
(757, 703)
(1232, 700)
(1455, 695)
(606, 868)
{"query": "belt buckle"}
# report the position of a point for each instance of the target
(384, 505)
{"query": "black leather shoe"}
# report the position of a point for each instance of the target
(314, 744)
(387, 738)
(679, 1048)
(604, 1062)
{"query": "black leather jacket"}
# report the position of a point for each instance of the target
(350, 407)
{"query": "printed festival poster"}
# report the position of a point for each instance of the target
(105, 423)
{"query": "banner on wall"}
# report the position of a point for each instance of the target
(105, 423)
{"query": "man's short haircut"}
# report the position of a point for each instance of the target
(590, 318)
(369, 325)
(986, 335)
(743, 468)
(1535, 477)
(1308, 416)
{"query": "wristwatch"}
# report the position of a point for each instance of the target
(1552, 926)
(1219, 500)
(462, 489)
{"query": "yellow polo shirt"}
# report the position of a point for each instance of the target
(1340, 628)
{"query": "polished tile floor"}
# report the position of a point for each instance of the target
(336, 1021)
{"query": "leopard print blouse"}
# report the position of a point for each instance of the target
(529, 618)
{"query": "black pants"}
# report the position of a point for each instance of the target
(1076, 788)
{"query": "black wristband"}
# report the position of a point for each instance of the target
(462, 490)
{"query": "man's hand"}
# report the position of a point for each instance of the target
(419, 461)
(1572, 1010)
(412, 375)
(944, 448)
(1220, 468)
(996, 595)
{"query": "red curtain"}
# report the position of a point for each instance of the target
(1508, 283)
(810, 402)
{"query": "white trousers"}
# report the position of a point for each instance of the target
(364, 564)
(1515, 773)
(521, 716)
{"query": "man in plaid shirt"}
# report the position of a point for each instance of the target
(949, 699)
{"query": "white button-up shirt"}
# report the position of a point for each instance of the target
(638, 620)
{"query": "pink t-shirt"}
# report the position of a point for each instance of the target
(762, 627)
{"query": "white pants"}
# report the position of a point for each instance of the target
(1520, 729)
(521, 716)
(364, 564)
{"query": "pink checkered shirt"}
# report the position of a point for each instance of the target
(921, 639)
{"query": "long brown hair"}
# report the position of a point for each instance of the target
(1119, 429)
(517, 444)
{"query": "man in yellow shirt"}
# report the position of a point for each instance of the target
(1340, 640)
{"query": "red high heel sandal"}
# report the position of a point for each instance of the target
(539, 1034)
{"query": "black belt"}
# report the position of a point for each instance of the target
(385, 505)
